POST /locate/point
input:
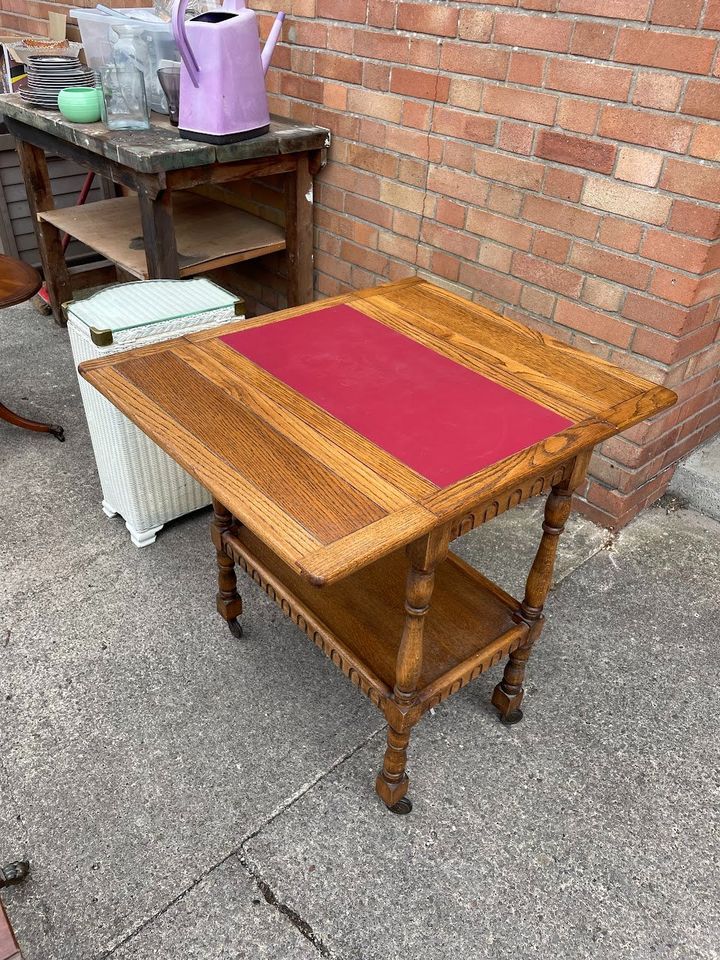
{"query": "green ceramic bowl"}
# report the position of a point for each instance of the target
(80, 104)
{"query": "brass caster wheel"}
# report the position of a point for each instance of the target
(235, 629)
(14, 872)
(515, 716)
(402, 807)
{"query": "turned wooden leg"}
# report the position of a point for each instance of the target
(229, 604)
(392, 782)
(508, 694)
(18, 421)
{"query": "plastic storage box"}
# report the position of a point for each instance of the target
(139, 481)
(154, 42)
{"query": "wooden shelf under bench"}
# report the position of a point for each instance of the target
(209, 234)
(358, 622)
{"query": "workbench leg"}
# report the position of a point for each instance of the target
(229, 604)
(156, 214)
(508, 694)
(49, 239)
(299, 232)
(424, 555)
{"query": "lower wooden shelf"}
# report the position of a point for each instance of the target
(209, 234)
(358, 622)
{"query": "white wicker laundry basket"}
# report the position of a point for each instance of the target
(139, 481)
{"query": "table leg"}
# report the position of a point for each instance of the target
(424, 555)
(156, 214)
(299, 233)
(229, 604)
(40, 198)
(18, 421)
(508, 694)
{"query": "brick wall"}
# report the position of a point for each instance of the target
(558, 165)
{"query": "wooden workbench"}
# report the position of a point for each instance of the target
(163, 230)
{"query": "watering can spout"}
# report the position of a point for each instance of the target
(272, 39)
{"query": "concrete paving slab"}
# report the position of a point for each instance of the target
(224, 917)
(583, 832)
(697, 479)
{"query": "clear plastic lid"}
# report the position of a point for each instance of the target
(125, 306)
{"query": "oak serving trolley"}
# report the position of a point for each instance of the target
(346, 445)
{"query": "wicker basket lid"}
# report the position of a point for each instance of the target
(125, 306)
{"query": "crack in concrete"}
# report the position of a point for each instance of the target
(298, 922)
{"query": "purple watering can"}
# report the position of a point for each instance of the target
(222, 77)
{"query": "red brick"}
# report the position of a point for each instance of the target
(650, 130)
(526, 68)
(505, 289)
(593, 39)
(414, 83)
(670, 51)
(292, 85)
(458, 155)
(643, 205)
(656, 314)
(547, 6)
(520, 104)
(578, 115)
(475, 25)
(505, 200)
(712, 15)
(639, 166)
(381, 46)
(537, 301)
(450, 183)
(376, 76)
(599, 325)
(466, 93)
(341, 38)
(612, 266)
(381, 13)
(451, 241)
(423, 52)
(451, 213)
(589, 79)
(660, 91)
(516, 138)
(620, 9)
(506, 231)
(706, 142)
(464, 124)
(333, 67)
(599, 293)
(416, 115)
(620, 234)
(563, 184)
(702, 99)
(654, 346)
(674, 287)
(371, 210)
(677, 13)
(335, 96)
(691, 180)
(689, 255)
(695, 220)
(530, 30)
(375, 161)
(371, 104)
(551, 246)
(354, 11)
(495, 256)
(561, 216)
(575, 151)
(544, 274)
(439, 20)
(506, 169)
(493, 64)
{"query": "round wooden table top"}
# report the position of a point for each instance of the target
(18, 281)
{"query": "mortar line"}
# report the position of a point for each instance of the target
(255, 876)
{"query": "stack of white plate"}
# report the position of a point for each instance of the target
(47, 76)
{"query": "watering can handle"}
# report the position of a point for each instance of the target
(178, 26)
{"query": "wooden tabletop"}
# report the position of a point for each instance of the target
(18, 281)
(340, 431)
(161, 147)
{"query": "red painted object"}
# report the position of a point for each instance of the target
(437, 416)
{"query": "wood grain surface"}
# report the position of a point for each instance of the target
(326, 500)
